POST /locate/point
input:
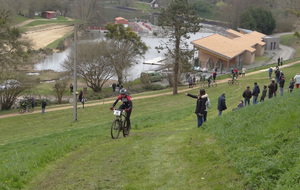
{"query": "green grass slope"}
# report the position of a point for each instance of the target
(256, 147)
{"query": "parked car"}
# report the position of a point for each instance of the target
(153, 76)
(7, 84)
(200, 69)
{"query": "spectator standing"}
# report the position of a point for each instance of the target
(81, 98)
(281, 85)
(264, 94)
(277, 74)
(44, 104)
(190, 80)
(270, 71)
(201, 110)
(222, 104)
(278, 61)
(114, 85)
(243, 72)
(281, 61)
(297, 80)
(247, 94)
(291, 86)
(71, 88)
(255, 93)
(272, 88)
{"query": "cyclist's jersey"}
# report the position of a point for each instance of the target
(127, 101)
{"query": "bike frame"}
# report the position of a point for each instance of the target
(120, 120)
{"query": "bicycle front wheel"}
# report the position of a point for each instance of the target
(126, 129)
(214, 85)
(21, 110)
(115, 129)
(236, 82)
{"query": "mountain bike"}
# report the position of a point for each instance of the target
(25, 107)
(119, 124)
(212, 84)
(233, 81)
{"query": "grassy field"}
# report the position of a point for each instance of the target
(256, 147)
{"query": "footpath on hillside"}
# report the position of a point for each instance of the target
(110, 101)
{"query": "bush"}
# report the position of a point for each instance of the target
(150, 87)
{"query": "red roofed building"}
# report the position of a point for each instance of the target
(49, 14)
(121, 20)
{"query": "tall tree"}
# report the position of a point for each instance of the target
(88, 11)
(93, 64)
(258, 19)
(125, 47)
(178, 20)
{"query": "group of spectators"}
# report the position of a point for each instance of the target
(272, 88)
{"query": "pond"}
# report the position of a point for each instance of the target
(54, 61)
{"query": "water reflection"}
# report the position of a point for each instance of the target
(54, 61)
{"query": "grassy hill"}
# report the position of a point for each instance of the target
(256, 147)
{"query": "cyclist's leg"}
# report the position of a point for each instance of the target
(128, 118)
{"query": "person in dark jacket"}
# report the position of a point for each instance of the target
(272, 88)
(222, 103)
(247, 94)
(277, 74)
(44, 104)
(200, 106)
(264, 94)
(292, 85)
(255, 93)
(281, 85)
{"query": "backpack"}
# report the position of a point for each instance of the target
(207, 104)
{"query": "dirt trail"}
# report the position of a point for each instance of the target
(109, 101)
(43, 36)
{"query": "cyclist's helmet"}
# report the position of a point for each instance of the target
(123, 91)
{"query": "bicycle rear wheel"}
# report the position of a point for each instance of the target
(213, 84)
(126, 129)
(115, 129)
(230, 82)
(21, 110)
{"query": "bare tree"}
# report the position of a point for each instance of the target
(93, 64)
(60, 87)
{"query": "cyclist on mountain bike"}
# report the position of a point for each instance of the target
(209, 80)
(126, 105)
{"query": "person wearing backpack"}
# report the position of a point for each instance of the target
(201, 110)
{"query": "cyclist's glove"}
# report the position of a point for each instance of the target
(111, 108)
(127, 110)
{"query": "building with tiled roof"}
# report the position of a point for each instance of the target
(234, 50)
